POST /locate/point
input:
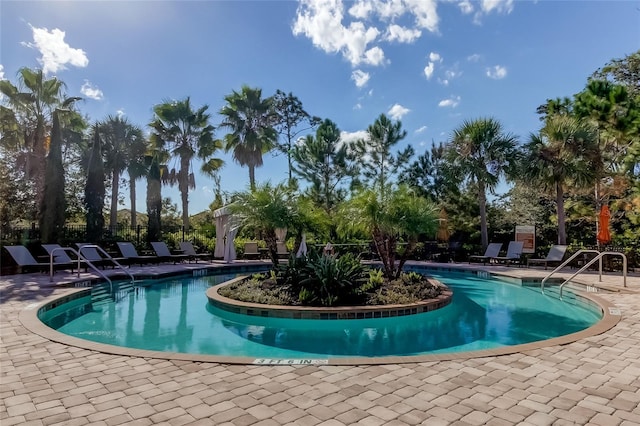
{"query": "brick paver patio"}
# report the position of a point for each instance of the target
(593, 381)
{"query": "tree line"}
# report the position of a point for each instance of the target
(57, 165)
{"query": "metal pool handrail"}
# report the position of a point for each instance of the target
(599, 257)
(565, 263)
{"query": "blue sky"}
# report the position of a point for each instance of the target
(430, 64)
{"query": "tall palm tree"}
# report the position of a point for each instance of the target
(53, 205)
(121, 139)
(480, 152)
(155, 161)
(189, 135)
(560, 156)
(32, 104)
(136, 169)
(94, 190)
(249, 118)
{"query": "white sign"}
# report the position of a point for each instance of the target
(527, 234)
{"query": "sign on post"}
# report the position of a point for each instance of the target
(527, 234)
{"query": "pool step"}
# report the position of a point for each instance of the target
(569, 290)
(105, 292)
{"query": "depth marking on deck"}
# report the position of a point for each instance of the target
(268, 361)
(614, 311)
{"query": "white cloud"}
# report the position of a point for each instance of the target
(489, 6)
(1, 72)
(357, 106)
(91, 91)
(474, 58)
(452, 102)
(435, 57)
(466, 7)
(120, 113)
(374, 56)
(360, 77)
(370, 93)
(402, 34)
(448, 76)
(56, 53)
(497, 72)
(321, 21)
(425, 12)
(348, 137)
(428, 70)
(421, 129)
(500, 6)
(325, 24)
(398, 111)
(361, 9)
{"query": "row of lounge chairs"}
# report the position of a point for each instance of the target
(60, 257)
(514, 255)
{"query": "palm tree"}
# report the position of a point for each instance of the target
(481, 152)
(155, 160)
(136, 169)
(189, 135)
(121, 139)
(266, 208)
(32, 106)
(94, 190)
(559, 156)
(399, 214)
(53, 206)
(249, 118)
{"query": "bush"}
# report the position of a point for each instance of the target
(331, 281)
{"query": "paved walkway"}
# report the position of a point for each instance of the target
(594, 381)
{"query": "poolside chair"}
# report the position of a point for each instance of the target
(555, 255)
(189, 250)
(493, 250)
(60, 254)
(25, 260)
(92, 254)
(514, 251)
(129, 252)
(251, 250)
(282, 251)
(164, 254)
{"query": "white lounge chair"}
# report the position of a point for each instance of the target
(514, 251)
(493, 250)
(555, 255)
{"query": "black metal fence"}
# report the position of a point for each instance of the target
(30, 235)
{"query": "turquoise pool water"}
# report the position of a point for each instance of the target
(173, 315)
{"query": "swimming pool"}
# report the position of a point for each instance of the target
(173, 315)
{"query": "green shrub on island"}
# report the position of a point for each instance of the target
(330, 281)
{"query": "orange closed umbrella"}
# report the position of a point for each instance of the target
(604, 235)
